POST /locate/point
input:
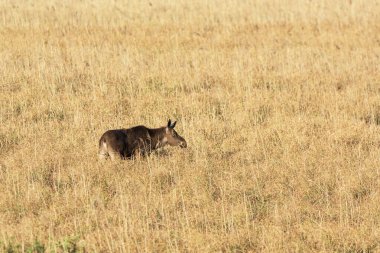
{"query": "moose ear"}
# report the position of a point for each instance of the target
(169, 123)
(172, 126)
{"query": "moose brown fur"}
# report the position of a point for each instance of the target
(138, 140)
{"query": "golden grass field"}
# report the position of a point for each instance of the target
(279, 102)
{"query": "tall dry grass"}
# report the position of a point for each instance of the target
(279, 102)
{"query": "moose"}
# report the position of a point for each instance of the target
(138, 140)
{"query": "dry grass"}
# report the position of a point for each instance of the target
(279, 102)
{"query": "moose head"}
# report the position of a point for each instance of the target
(172, 137)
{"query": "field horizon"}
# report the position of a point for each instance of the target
(279, 102)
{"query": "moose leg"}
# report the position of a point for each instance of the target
(116, 156)
(137, 149)
(102, 156)
(137, 153)
(102, 153)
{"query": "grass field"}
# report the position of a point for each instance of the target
(279, 102)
